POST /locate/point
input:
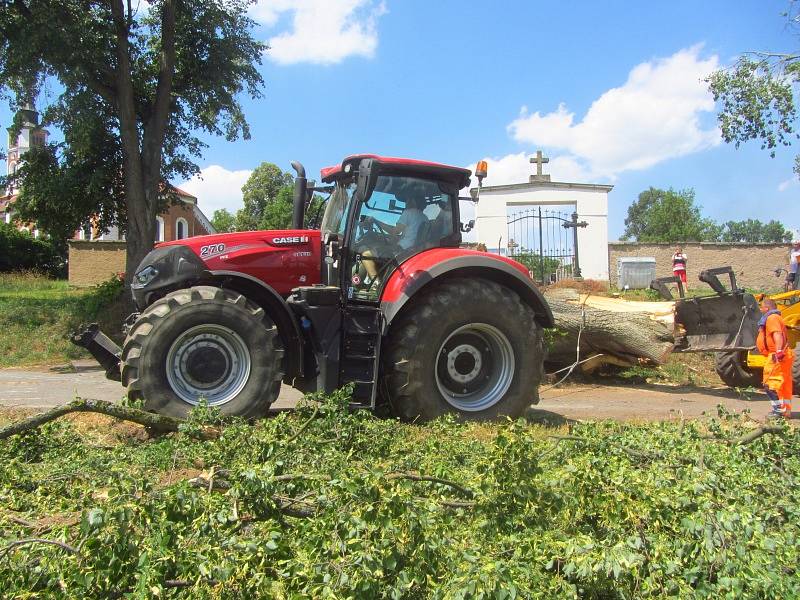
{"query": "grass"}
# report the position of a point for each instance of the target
(38, 314)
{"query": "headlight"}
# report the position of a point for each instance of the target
(145, 276)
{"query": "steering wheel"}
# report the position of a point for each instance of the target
(374, 227)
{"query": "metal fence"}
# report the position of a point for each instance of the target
(546, 242)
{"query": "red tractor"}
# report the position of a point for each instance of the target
(380, 296)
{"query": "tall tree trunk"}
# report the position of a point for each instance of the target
(141, 227)
(142, 158)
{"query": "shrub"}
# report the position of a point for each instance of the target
(20, 251)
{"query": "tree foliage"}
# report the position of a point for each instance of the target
(268, 196)
(758, 97)
(283, 509)
(753, 231)
(223, 221)
(138, 86)
(20, 251)
(62, 186)
(668, 216)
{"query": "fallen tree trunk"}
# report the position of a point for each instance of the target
(629, 336)
(158, 423)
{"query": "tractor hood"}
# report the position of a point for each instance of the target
(281, 259)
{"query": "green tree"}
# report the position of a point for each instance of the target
(540, 267)
(157, 78)
(668, 216)
(753, 231)
(64, 184)
(268, 197)
(223, 221)
(758, 96)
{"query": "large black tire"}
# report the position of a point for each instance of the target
(732, 369)
(204, 336)
(796, 371)
(452, 336)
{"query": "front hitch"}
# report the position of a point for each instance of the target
(102, 348)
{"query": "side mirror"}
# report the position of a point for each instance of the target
(466, 228)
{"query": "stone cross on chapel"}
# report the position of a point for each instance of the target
(539, 160)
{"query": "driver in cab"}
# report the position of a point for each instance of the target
(403, 234)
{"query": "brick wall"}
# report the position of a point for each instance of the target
(753, 264)
(183, 211)
(91, 263)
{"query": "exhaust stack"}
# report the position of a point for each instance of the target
(299, 207)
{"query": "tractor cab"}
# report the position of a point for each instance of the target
(383, 211)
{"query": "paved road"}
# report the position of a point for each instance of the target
(43, 387)
(39, 388)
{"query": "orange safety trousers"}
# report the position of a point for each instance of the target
(778, 378)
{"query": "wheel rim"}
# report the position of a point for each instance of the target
(475, 367)
(208, 361)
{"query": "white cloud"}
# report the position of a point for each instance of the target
(322, 31)
(789, 183)
(654, 116)
(216, 187)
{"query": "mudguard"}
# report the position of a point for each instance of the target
(437, 264)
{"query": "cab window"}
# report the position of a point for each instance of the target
(402, 216)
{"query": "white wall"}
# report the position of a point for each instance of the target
(491, 217)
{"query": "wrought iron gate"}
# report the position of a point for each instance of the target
(545, 241)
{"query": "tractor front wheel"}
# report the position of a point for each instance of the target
(469, 347)
(203, 344)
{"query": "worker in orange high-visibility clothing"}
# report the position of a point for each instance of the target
(772, 342)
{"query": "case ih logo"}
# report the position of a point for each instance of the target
(292, 239)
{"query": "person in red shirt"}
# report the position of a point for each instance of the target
(772, 342)
(679, 264)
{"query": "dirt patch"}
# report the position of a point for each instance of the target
(173, 476)
(106, 430)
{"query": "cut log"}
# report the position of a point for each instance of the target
(630, 336)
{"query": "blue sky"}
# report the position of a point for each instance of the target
(610, 91)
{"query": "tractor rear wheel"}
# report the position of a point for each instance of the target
(469, 347)
(733, 370)
(203, 343)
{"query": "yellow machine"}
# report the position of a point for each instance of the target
(789, 305)
(726, 323)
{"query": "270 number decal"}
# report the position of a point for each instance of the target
(211, 250)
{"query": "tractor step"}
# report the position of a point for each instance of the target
(362, 331)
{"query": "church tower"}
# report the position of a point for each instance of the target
(30, 135)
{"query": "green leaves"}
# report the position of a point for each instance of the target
(612, 510)
(757, 97)
(669, 216)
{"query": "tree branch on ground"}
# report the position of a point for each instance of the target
(158, 423)
(27, 541)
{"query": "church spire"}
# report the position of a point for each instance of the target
(24, 134)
